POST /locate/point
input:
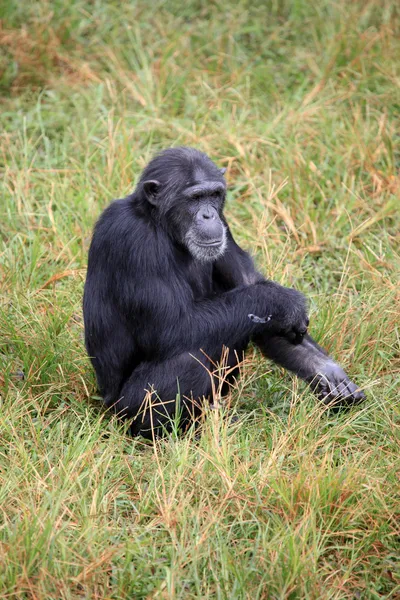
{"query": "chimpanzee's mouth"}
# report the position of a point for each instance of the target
(211, 244)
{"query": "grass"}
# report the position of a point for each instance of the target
(301, 102)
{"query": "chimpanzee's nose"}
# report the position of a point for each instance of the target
(208, 213)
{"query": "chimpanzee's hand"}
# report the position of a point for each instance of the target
(287, 312)
(291, 318)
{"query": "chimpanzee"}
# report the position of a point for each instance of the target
(168, 288)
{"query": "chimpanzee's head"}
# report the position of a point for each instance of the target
(186, 191)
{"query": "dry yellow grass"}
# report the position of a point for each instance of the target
(300, 101)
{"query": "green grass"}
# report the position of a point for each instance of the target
(301, 102)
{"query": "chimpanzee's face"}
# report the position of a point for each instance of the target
(198, 219)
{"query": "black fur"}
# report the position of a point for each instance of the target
(167, 287)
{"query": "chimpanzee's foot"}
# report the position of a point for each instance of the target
(332, 386)
(310, 362)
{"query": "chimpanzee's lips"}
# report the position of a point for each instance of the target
(209, 244)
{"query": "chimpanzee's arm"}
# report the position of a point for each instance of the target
(170, 324)
(306, 359)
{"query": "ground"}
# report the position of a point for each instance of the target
(301, 102)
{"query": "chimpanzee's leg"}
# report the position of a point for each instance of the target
(310, 362)
(149, 395)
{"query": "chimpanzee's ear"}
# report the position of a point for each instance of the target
(151, 189)
(223, 170)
